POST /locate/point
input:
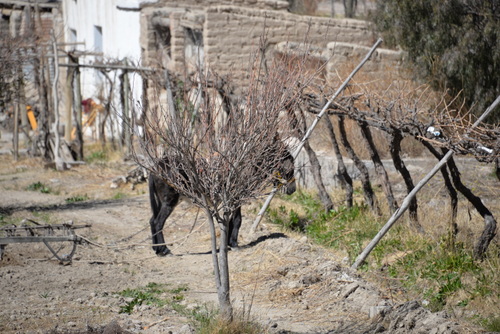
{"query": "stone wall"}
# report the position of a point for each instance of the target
(232, 34)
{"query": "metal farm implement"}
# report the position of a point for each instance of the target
(31, 231)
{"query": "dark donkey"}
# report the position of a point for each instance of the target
(164, 198)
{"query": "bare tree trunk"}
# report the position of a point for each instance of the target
(344, 176)
(379, 166)
(170, 98)
(15, 137)
(370, 197)
(22, 101)
(490, 223)
(70, 75)
(395, 150)
(220, 263)
(77, 110)
(43, 123)
(224, 292)
(313, 159)
(127, 125)
(107, 112)
(316, 171)
(453, 226)
(350, 8)
(55, 100)
(332, 8)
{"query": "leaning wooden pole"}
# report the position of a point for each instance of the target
(311, 128)
(57, 156)
(68, 97)
(406, 202)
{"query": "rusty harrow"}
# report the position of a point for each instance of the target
(31, 231)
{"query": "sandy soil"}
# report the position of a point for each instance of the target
(290, 285)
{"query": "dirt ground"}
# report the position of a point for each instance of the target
(288, 284)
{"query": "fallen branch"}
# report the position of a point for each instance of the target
(155, 323)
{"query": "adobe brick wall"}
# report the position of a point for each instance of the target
(232, 34)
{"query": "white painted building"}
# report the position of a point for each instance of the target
(110, 28)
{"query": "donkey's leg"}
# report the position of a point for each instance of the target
(234, 227)
(155, 202)
(157, 224)
(163, 198)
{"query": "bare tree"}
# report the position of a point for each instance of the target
(345, 178)
(395, 138)
(379, 166)
(221, 165)
(440, 127)
(368, 192)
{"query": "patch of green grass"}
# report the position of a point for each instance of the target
(491, 324)
(177, 292)
(44, 295)
(306, 200)
(204, 319)
(77, 198)
(39, 186)
(151, 294)
(96, 156)
(119, 195)
(45, 217)
(425, 266)
(345, 229)
(442, 271)
(5, 220)
(289, 220)
(157, 295)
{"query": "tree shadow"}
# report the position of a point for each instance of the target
(260, 239)
(275, 235)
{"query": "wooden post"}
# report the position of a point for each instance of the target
(127, 118)
(55, 99)
(15, 138)
(77, 94)
(23, 113)
(68, 96)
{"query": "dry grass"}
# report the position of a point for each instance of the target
(409, 265)
(95, 175)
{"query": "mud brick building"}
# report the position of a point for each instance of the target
(222, 35)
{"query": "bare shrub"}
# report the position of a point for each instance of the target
(220, 150)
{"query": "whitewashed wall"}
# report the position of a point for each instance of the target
(120, 26)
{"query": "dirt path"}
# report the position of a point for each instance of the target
(290, 285)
